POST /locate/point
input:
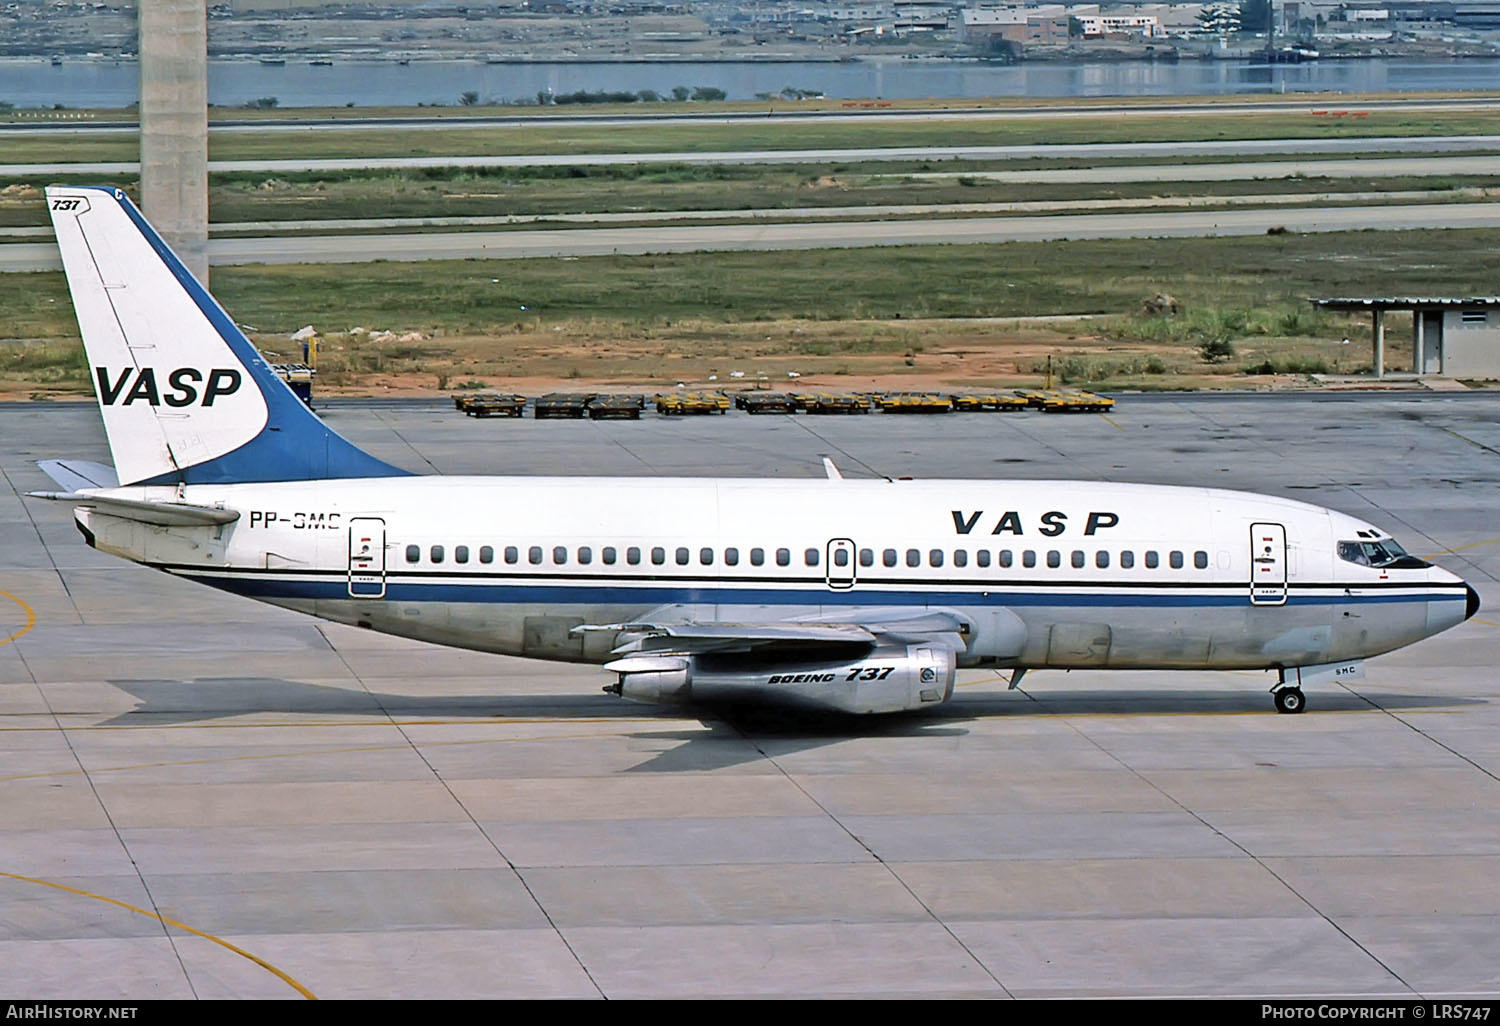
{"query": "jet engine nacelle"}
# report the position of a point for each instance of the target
(889, 678)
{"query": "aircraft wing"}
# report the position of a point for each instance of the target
(856, 626)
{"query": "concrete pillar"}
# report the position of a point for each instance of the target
(1379, 332)
(1418, 344)
(173, 39)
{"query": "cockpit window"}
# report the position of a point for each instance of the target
(1383, 554)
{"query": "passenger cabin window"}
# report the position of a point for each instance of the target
(1152, 560)
(731, 557)
(633, 555)
(1005, 559)
(757, 557)
(840, 557)
(982, 557)
(1028, 559)
(559, 555)
(783, 557)
(585, 555)
(460, 553)
(1077, 559)
(1200, 560)
(683, 555)
(512, 554)
(960, 557)
(1127, 560)
(1054, 558)
(436, 553)
(414, 553)
(866, 557)
(935, 557)
(810, 557)
(486, 553)
(608, 554)
(706, 557)
(1101, 559)
(913, 557)
(658, 555)
(534, 554)
(888, 557)
(1176, 559)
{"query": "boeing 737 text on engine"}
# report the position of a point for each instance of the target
(859, 596)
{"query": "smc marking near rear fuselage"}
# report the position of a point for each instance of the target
(861, 596)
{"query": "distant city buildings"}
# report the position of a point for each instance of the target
(505, 30)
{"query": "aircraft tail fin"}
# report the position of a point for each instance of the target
(186, 398)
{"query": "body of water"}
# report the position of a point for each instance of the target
(81, 82)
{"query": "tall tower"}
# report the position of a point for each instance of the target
(174, 125)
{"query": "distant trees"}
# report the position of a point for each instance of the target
(262, 103)
(679, 93)
(469, 98)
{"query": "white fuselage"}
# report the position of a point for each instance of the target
(1099, 574)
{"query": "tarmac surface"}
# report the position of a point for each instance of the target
(315, 810)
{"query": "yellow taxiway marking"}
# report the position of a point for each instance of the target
(30, 618)
(172, 922)
(1111, 423)
(1460, 548)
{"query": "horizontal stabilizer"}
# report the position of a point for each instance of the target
(163, 514)
(76, 475)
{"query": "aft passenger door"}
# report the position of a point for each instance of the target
(840, 566)
(367, 557)
(1267, 565)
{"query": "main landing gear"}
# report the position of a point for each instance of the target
(1288, 697)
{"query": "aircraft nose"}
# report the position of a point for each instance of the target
(1473, 606)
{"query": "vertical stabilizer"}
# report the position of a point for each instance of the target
(185, 396)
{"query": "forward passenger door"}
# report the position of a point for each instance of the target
(1267, 564)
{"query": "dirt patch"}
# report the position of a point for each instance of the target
(20, 195)
(942, 354)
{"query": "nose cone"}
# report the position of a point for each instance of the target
(1473, 606)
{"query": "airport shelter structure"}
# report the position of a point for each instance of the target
(1451, 337)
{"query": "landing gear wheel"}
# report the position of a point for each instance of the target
(1290, 700)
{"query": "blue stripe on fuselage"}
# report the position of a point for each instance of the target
(271, 586)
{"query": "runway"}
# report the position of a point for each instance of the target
(525, 243)
(340, 814)
(292, 122)
(94, 170)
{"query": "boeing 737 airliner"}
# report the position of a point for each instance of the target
(858, 596)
